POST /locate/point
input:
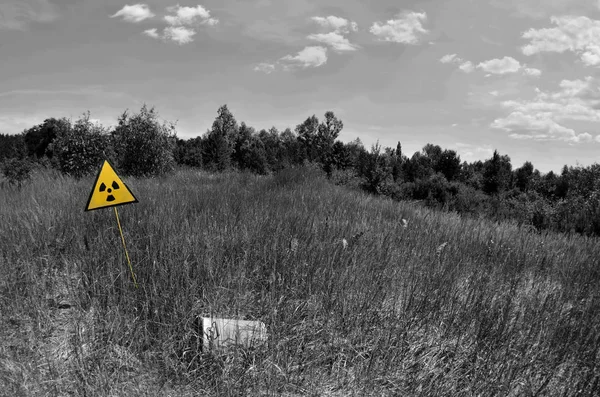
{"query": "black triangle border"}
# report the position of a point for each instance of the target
(94, 187)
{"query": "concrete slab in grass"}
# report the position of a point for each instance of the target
(225, 332)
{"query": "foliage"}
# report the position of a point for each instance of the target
(38, 139)
(496, 173)
(12, 147)
(437, 177)
(435, 190)
(442, 305)
(16, 171)
(307, 136)
(189, 152)
(375, 169)
(418, 166)
(523, 176)
(448, 164)
(143, 146)
(317, 139)
(79, 150)
(220, 140)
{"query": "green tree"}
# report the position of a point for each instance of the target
(255, 156)
(397, 161)
(328, 132)
(433, 153)
(418, 167)
(523, 176)
(273, 146)
(471, 174)
(241, 145)
(12, 146)
(38, 138)
(189, 152)
(144, 146)
(448, 164)
(80, 149)
(497, 173)
(307, 136)
(17, 170)
(292, 151)
(220, 140)
(374, 168)
(561, 184)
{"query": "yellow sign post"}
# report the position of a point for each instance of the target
(110, 191)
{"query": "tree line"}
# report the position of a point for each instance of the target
(140, 145)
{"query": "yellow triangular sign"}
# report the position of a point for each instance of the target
(109, 190)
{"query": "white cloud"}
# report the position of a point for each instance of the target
(585, 137)
(532, 72)
(449, 58)
(134, 13)
(18, 14)
(535, 125)
(151, 33)
(182, 24)
(500, 66)
(569, 136)
(542, 117)
(467, 67)
(264, 67)
(335, 40)
(189, 16)
(340, 25)
(179, 34)
(580, 35)
(308, 57)
(405, 29)
(473, 152)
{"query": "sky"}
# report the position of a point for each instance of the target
(518, 76)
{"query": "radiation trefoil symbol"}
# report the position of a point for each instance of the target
(114, 186)
(109, 190)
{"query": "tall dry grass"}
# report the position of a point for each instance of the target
(495, 311)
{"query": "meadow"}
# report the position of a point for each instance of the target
(440, 306)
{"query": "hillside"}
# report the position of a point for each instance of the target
(443, 305)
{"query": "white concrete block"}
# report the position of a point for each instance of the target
(224, 332)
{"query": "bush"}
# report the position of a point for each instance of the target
(142, 145)
(434, 190)
(17, 171)
(389, 188)
(468, 200)
(12, 146)
(80, 150)
(374, 169)
(347, 177)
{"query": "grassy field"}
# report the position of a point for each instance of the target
(445, 306)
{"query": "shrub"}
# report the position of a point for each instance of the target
(468, 199)
(38, 139)
(17, 171)
(142, 145)
(12, 146)
(80, 149)
(374, 169)
(346, 177)
(389, 188)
